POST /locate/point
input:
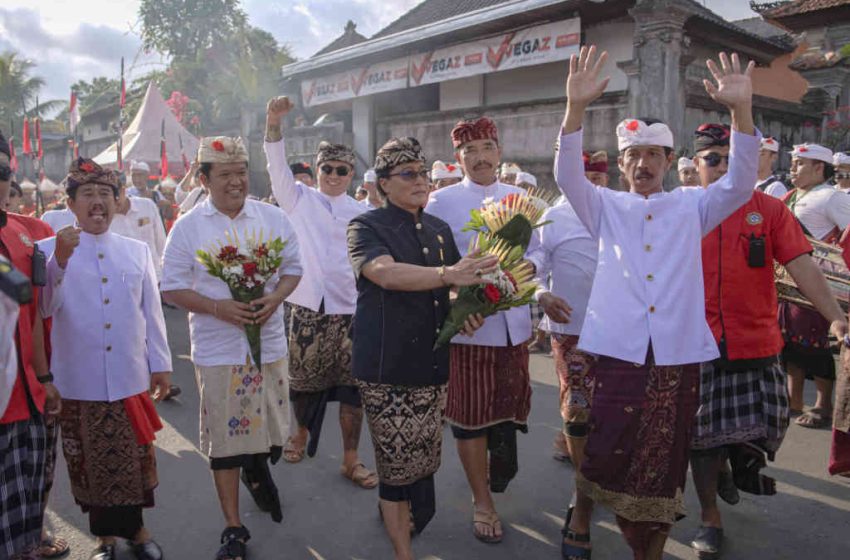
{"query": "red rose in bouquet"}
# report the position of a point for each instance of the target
(491, 292)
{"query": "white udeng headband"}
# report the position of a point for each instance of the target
(813, 151)
(686, 163)
(770, 144)
(841, 158)
(634, 132)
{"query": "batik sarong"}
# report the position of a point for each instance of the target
(839, 459)
(642, 419)
(319, 367)
(806, 335)
(406, 425)
(575, 378)
(742, 407)
(22, 458)
(244, 411)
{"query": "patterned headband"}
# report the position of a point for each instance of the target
(397, 151)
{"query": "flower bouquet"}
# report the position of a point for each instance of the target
(511, 219)
(509, 286)
(245, 266)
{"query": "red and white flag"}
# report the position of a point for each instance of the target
(25, 137)
(73, 114)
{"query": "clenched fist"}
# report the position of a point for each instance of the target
(278, 108)
(67, 240)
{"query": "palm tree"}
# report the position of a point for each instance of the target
(19, 87)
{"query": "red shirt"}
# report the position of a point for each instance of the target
(16, 243)
(740, 300)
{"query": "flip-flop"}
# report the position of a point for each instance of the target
(52, 546)
(293, 453)
(366, 479)
(815, 418)
(489, 518)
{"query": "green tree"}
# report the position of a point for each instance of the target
(179, 28)
(19, 86)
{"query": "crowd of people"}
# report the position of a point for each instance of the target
(670, 344)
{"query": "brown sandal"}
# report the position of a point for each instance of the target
(52, 546)
(293, 453)
(490, 519)
(360, 475)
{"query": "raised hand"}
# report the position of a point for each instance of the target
(67, 240)
(734, 88)
(278, 107)
(583, 83)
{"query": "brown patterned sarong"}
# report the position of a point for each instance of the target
(319, 350)
(106, 464)
(576, 377)
(642, 419)
(406, 424)
(488, 385)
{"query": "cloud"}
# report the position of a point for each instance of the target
(307, 26)
(84, 51)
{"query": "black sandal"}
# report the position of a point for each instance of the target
(571, 551)
(233, 541)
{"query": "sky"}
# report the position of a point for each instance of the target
(70, 41)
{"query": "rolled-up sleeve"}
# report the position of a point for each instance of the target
(364, 245)
(178, 262)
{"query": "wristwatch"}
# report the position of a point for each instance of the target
(45, 378)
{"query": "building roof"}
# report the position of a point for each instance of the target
(349, 37)
(432, 11)
(707, 15)
(772, 10)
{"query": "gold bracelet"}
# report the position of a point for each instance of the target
(441, 271)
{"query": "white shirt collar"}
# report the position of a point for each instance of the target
(209, 209)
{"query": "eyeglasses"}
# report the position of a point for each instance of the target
(410, 176)
(5, 172)
(713, 159)
(341, 170)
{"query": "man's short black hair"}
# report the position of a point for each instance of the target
(828, 171)
(205, 168)
(17, 188)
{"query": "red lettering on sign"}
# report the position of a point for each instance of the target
(357, 81)
(473, 59)
(419, 69)
(567, 40)
(401, 73)
(546, 46)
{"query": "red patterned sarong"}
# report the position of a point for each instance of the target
(575, 371)
(488, 385)
(641, 420)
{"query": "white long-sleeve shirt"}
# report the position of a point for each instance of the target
(8, 353)
(216, 342)
(452, 204)
(108, 332)
(565, 259)
(774, 187)
(142, 223)
(321, 222)
(649, 283)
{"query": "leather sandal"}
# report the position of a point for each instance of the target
(293, 453)
(233, 541)
(360, 475)
(489, 518)
(571, 551)
(707, 543)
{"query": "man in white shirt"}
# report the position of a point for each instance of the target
(58, 219)
(138, 218)
(244, 405)
(565, 260)
(768, 183)
(324, 303)
(688, 175)
(824, 214)
(841, 161)
(646, 313)
(373, 199)
(109, 349)
(445, 175)
(489, 393)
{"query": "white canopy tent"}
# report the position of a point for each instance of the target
(142, 137)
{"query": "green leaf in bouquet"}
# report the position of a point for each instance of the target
(468, 302)
(476, 221)
(517, 232)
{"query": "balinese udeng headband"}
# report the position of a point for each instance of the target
(469, 130)
(635, 132)
(84, 171)
(841, 158)
(813, 151)
(334, 152)
(710, 135)
(222, 149)
(686, 163)
(397, 151)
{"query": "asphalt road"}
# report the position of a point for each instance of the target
(327, 518)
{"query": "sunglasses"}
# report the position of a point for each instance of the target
(341, 170)
(844, 175)
(410, 176)
(5, 172)
(712, 159)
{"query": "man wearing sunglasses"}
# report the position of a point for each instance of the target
(743, 412)
(324, 302)
(769, 183)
